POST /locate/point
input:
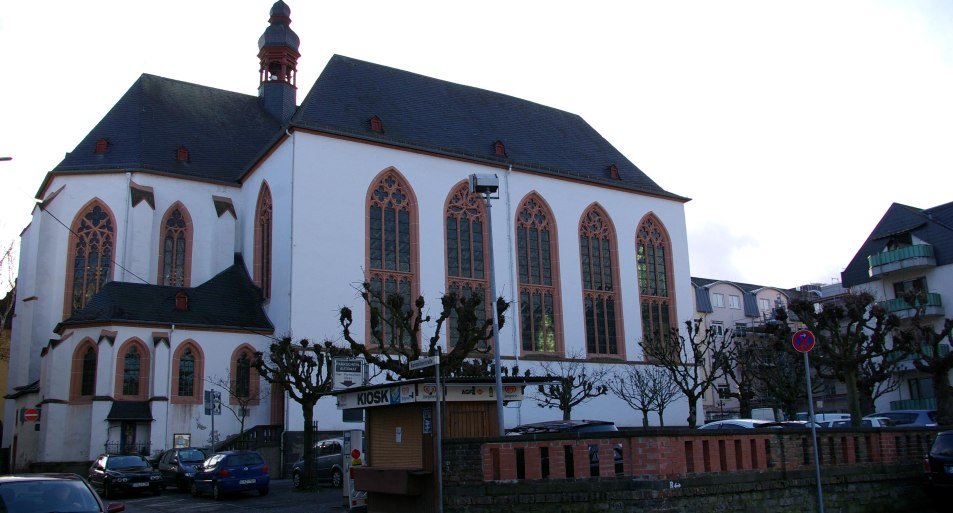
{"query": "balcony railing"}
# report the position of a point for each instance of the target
(903, 309)
(910, 257)
(141, 448)
(914, 404)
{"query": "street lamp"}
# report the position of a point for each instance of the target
(489, 185)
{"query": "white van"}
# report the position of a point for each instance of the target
(823, 418)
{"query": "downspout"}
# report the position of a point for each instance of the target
(125, 235)
(291, 253)
(512, 277)
(168, 379)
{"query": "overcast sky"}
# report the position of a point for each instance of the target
(792, 126)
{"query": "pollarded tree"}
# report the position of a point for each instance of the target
(925, 343)
(574, 382)
(851, 333)
(684, 358)
(395, 328)
(634, 385)
(775, 369)
(303, 370)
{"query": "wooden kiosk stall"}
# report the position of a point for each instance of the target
(401, 437)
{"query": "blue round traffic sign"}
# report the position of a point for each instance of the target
(803, 341)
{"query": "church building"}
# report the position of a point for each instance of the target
(193, 225)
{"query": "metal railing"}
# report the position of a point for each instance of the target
(141, 448)
(888, 257)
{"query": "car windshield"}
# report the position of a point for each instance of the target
(191, 455)
(64, 495)
(244, 459)
(943, 446)
(126, 462)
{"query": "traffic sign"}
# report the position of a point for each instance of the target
(421, 363)
(803, 341)
(347, 373)
(31, 415)
(213, 402)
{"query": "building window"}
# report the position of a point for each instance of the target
(916, 285)
(765, 304)
(734, 302)
(392, 247)
(466, 233)
(741, 329)
(83, 372)
(132, 371)
(187, 373)
(176, 247)
(244, 377)
(654, 264)
(920, 388)
(718, 327)
(597, 256)
(91, 252)
(537, 257)
(718, 300)
(263, 221)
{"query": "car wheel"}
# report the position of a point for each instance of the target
(296, 479)
(195, 490)
(262, 491)
(216, 493)
(337, 478)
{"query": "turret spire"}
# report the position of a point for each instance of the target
(278, 57)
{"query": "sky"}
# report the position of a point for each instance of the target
(792, 126)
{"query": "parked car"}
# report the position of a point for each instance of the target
(908, 418)
(328, 463)
(938, 466)
(231, 472)
(27, 493)
(756, 424)
(576, 426)
(865, 422)
(117, 473)
(177, 466)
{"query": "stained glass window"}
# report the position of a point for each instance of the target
(187, 373)
(130, 372)
(91, 255)
(467, 267)
(652, 247)
(176, 237)
(600, 294)
(263, 220)
(538, 292)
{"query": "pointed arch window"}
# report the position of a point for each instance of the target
(176, 247)
(536, 257)
(263, 222)
(245, 379)
(83, 372)
(600, 291)
(132, 371)
(187, 373)
(392, 248)
(91, 248)
(467, 268)
(186, 379)
(653, 258)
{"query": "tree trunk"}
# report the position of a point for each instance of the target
(944, 398)
(645, 418)
(661, 418)
(566, 414)
(853, 401)
(307, 478)
(867, 405)
(692, 409)
(744, 405)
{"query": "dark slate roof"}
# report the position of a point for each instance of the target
(223, 131)
(424, 113)
(228, 300)
(702, 300)
(130, 410)
(933, 225)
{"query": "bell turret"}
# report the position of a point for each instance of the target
(278, 57)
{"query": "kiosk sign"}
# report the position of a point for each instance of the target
(803, 341)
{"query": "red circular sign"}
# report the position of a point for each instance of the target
(803, 341)
(31, 415)
(356, 454)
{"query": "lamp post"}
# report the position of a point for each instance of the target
(489, 185)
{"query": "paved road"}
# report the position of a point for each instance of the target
(283, 498)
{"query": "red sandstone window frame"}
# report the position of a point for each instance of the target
(651, 232)
(390, 190)
(198, 373)
(76, 233)
(145, 359)
(264, 221)
(462, 205)
(78, 372)
(186, 233)
(527, 218)
(595, 223)
(254, 379)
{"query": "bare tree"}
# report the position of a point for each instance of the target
(851, 333)
(304, 370)
(646, 389)
(575, 382)
(684, 358)
(775, 369)
(8, 301)
(240, 395)
(666, 392)
(395, 328)
(925, 343)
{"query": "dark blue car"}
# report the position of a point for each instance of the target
(231, 472)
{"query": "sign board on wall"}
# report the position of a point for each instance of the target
(424, 392)
(347, 373)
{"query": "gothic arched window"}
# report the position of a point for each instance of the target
(467, 268)
(175, 244)
(91, 248)
(83, 372)
(600, 290)
(132, 371)
(653, 258)
(392, 253)
(537, 264)
(263, 220)
(245, 378)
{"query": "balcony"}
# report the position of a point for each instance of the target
(913, 404)
(907, 363)
(910, 257)
(904, 310)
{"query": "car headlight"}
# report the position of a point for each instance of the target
(155, 477)
(122, 479)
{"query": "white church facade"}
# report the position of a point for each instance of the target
(193, 225)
